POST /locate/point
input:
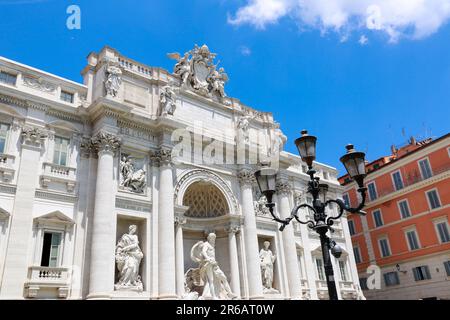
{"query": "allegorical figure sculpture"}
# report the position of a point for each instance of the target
(113, 80)
(128, 259)
(216, 285)
(167, 100)
(267, 259)
(131, 179)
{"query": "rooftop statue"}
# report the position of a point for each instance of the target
(198, 72)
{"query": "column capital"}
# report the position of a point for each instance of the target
(33, 136)
(246, 177)
(179, 221)
(160, 157)
(283, 188)
(233, 229)
(105, 141)
(86, 147)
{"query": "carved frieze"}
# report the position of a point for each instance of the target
(39, 84)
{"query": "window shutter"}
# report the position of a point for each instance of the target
(416, 274)
(427, 272)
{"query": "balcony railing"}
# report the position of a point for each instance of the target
(6, 166)
(47, 277)
(60, 174)
(410, 179)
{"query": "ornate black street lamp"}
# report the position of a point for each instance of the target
(354, 163)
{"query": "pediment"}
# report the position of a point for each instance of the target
(55, 217)
(4, 214)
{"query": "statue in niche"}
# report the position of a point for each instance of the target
(267, 259)
(113, 80)
(167, 100)
(128, 259)
(215, 282)
(131, 179)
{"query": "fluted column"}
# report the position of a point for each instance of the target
(234, 261)
(179, 258)
(101, 278)
(290, 251)
(246, 179)
(166, 232)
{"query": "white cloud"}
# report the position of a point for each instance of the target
(245, 51)
(413, 19)
(363, 40)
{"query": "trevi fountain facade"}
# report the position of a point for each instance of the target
(138, 184)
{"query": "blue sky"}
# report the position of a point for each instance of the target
(343, 80)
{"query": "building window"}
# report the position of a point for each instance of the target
(363, 283)
(384, 247)
(4, 129)
(447, 267)
(433, 199)
(60, 153)
(51, 249)
(346, 199)
(372, 191)
(8, 78)
(320, 270)
(421, 273)
(404, 209)
(413, 241)
(425, 168)
(343, 270)
(442, 229)
(67, 96)
(357, 254)
(377, 218)
(351, 227)
(391, 279)
(397, 179)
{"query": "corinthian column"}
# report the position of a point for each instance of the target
(290, 251)
(234, 262)
(101, 279)
(246, 179)
(179, 259)
(166, 236)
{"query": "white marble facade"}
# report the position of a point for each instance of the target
(94, 204)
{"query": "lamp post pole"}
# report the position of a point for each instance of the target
(322, 223)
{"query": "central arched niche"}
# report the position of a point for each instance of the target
(204, 200)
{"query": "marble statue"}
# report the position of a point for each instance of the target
(278, 142)
(215, 282)
(131, 179)
(267, 259)
(167, 100)
(243, 126)
(182, 67)
(217, 80)
(113, 80)
(128, 259)
(199, 73)
(260, 206)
